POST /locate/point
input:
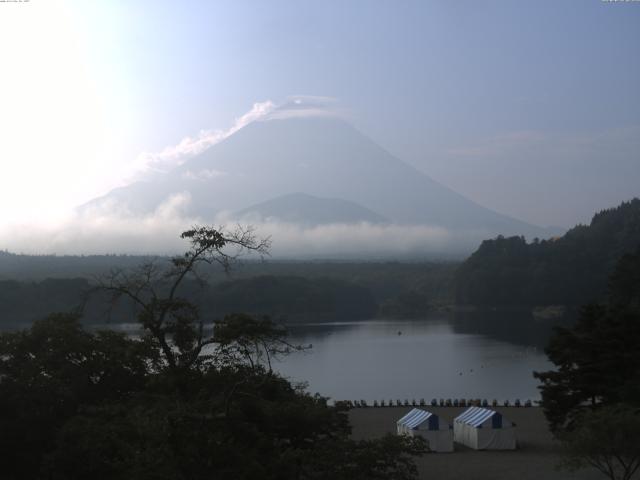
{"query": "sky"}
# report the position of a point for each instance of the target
(529, 108)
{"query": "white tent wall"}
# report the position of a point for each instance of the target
(464, 434)
(483, 429)
(457, 430)
(495, 438)
(437, 433)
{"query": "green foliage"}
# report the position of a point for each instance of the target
(79, 405)
(176, 404)
(156, 290)
(624, 284)
(287, 297)
(260, 433)
(571, 270)
(598, 359)
(598, 362)
(244, 340)
(607, 439)
(389, 458)
(23, 302)
(49, 373)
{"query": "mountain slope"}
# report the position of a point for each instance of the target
(303, 209)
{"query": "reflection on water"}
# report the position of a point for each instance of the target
(438, 357)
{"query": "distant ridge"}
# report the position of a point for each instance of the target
(303, 209)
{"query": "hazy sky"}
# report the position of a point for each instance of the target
(531, 108)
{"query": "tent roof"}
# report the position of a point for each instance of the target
(415, 418)
(475, 416)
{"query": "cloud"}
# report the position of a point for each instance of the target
(106, 230)
(189, 146)
(205, 174)
(354, 240)
(295, 106)
(303, 106)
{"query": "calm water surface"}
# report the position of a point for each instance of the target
(436, 357)
(476, 355)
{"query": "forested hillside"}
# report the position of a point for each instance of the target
(294, 298)
(24, 302)
(290, 291)
(570, 270)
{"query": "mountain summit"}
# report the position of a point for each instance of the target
(307, 210)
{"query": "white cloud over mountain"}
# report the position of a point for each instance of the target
(188, 147)
(296, 106)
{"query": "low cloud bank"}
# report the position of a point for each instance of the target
(107, 230)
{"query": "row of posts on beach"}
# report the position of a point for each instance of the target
(475, 402)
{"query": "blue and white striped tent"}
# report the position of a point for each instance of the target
(484, 429)
(437, 433)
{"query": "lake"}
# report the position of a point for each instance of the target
(473, 355)
(444, 356)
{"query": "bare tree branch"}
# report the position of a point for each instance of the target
(174, 322)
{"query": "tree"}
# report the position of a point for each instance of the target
(243, 339)
(387, 458)
(52, 371)
(567, 270)
(74, 405)
(598, 359)
(77, 404)
(171, 320)
(608, 440)
(624, 283)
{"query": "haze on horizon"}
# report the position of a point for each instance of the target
(530, 109)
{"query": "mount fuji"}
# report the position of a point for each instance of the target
(311, 170)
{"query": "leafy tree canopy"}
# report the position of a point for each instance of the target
(179, 402)
(569, 270)
(608, 440)
(598, 359)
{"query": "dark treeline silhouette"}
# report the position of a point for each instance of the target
(24, 302)
(597, 358)
(570, 270)
(294, 298)
(39, 267)
(295, 291)
(283, 297)
(592, 396)
(382, 277)
(179, 401)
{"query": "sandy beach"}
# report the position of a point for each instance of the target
(535, 459)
